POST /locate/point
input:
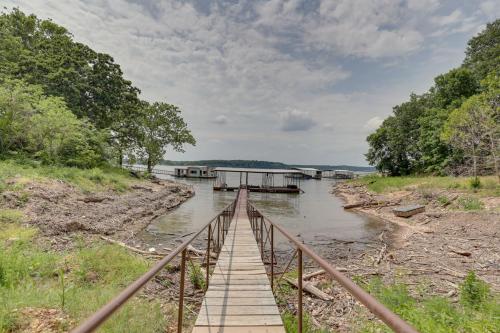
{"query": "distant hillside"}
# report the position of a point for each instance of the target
(265, 165)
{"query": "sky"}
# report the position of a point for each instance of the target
(298, 81)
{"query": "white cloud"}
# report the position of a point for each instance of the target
(372, 124)
(452, 18)
(220, 119)
(296, 120)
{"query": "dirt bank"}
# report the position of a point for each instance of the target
(430, 253)
(59, 210)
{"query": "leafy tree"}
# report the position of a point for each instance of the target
(452, 88)
(470, 128)
(57, 136)
(483, 51)
(17, 104)
(42, 52)
(161, 125)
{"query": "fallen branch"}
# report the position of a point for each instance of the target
(152, 253)
(307, 286)
(198, 252)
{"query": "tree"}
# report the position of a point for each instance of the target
(161, 125)
(452, 88)
(42, 52)
(472, 129)
(483, 51)
(17, 104)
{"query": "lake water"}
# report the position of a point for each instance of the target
(316, 216)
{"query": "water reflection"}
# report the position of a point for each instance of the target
(315, 216)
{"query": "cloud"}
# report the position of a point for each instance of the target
(372, 124)
(295, 120)
(220, 119)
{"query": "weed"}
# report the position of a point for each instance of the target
(443, 200)
(10, 216)
(291, 323)
(196, 275)
(473, 292)
(475, 183)
(470, 203)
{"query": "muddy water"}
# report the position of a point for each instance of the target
(316, 216)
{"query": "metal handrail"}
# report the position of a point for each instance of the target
(378, 309)
(99, 317)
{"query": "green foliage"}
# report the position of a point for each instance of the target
(436, 314)
(470, 203)
(458, 120)
(92, 180)
(291, 323)
(483, 51)
(43, 53)
(196, 275)
(474, 292)
(161, 125)
(475, 183)
(37, 278)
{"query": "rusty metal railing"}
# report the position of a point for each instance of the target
(217, 230)
(264, 234)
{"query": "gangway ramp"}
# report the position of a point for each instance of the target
(239, 298)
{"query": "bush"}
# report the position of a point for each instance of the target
(196, 276)
(470, 203)
(475, 183)
(473, 292)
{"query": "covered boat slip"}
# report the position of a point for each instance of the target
(239, 298)
(290, 184)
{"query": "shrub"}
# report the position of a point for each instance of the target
(196, 275)
(475, 183)
(470, 203)
(473, 291)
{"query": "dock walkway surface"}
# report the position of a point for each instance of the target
(239, 298)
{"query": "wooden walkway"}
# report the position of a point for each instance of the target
(239, 297)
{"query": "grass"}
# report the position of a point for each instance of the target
(470, 203)
(478, 310)
(488, 186)
(77, 282)
(90, 180)
(291, 323)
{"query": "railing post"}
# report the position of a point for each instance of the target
(262, 237)
(299, 282)
(208, 256)
(218, 233)
(181, 292)
(272, 257)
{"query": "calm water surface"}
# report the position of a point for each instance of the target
(315, 216)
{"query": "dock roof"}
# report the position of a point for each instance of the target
(307, 169)
(254, 170)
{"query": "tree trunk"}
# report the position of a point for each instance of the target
(150, 165)
(474, 162)
(493, 153)
(120, 158)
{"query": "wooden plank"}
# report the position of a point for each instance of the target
(242, 320)
(238, 329)
(232, 310)
(237, 293)
(241, 287)
(247, 301)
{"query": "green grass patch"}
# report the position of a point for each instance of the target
(88, 180)
(469, 203)
(485, 186)
(478, 310)
(77, 282)
(290, 322)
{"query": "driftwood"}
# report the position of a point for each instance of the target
(307, 286)
(460, 252)
(152, 253)
(355, 205)
(198, 252)
(94, 199)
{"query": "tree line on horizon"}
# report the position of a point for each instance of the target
(264, 165)
(452, 129)
(63, 103)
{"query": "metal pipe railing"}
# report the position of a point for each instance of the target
(378, 309)
(99, 317)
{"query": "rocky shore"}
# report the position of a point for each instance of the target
(60, 211)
